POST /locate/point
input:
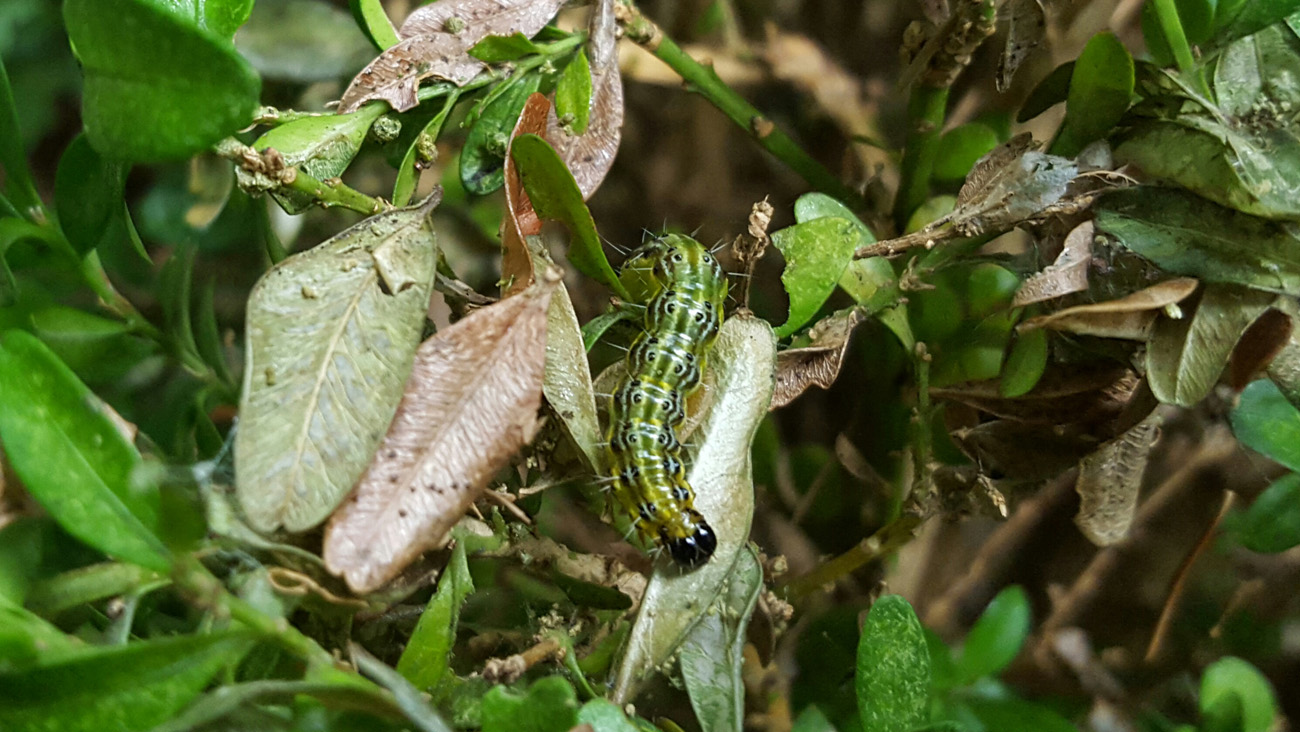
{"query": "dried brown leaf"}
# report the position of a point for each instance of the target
(1027, 27)
(470, 404)
(1010, 184)
(1131, 317)
(1259, 347)
(590, 155)
(1109, 480)
(436, 40)
(998, 447)
(818, 363)
(1068, 274)
(521, 220)
(1061, 397)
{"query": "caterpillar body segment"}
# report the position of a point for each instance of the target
(684, 289)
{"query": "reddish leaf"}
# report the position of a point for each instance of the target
(521, 220)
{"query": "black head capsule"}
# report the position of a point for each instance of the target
(694, 550)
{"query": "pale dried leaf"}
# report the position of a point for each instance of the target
(818, 363)
(567, 384)
(1186, 356)
(740, 376)
(1011, 183)
(1131, 317)
(1109, 481)
(590, 155)
(1068, 274)
(1026, 29)
(432, 47)
(470, 404)
(521, 220)
(330, 337)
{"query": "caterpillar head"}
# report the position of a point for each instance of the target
(694, 550)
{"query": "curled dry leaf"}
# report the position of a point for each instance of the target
(819, 362)
(590, 155)
(330, 337)
(1109, 480)
(1131, 317)
(1008, 185)
(1026, 29)
(1068, 274)
(470, 404)
(436, 40)
(521, 219)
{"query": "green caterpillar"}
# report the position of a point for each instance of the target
(684, 289)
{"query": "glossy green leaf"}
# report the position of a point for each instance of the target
(555, 196)
(426, 661)
(322, 147)
(816, 255)
(71, 457)
(19, 187)
(549, 706)
(712, 653)
(410, 700)
(604, 716)
(960, 147)
(812, 719)
(372, 19)
(573, 92)
(1272, 523)
(88, 196)
(989, 288)
(1051, 91)
(1267, 423)
(222, 17)
(871, 282)
(498, 49)
(740, 377)
(25, 638)
(131, 688)
(1229, 677)
(1101, 88)
(421, 153)
(1185, 356)
(331, 335)
(1237, 18)
(156, 86)
(1025, 365)
(483, 159)
(86, 585)
(1186, 235)
(893, 668)
(997, 636)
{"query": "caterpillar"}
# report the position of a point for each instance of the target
(684, 289)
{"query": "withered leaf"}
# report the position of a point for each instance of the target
(1069, 273)
(1260, 347)
(331, 334)
(470, 404)
(521, 220)
(1061, 397)
(819, 362)
(1109, 480)
(1130, 317)
(1186, 356)
(1011, 183)
(1026, 28)
(590, 155)
(998, 447)
(435, 43)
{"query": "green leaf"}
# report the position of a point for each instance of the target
(222, 17)
(1237, 18)
(1051, 91)
(372, 19)
(19, 188)
(1272, 523)
(555, 196)
(740, 377)
(549, 706)
(1101, 88)
(71, 457)
(566, 383)
(816, 255)
(604, 716)
(322, 147)
(712, 653)
(331, 335)
(960, 147)
(893, 668)
(871, 282)
(12, 231)
(420, 153)
(483, 159)
(1187, 235)
(1235, 677)
(405, 697)
(997, 636)
(156, 87)
(1267, 423)
(85, 585)
(128, 688)
(1010, 713)
(88, 196)
(811, 719)
(573, 92)
(26, 638)
(426, 660)
(1185, 356)
(1025, 364)
(498, 49)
